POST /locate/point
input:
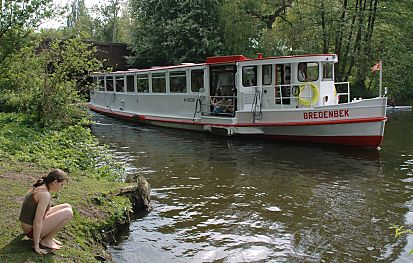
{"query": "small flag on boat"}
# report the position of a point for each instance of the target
(375, 67)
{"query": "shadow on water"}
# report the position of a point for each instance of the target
(238, 200)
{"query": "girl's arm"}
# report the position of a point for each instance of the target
(42, 204)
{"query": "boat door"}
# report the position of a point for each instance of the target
(222, 90)
(283, 84)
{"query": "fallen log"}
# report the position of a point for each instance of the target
(139, 193)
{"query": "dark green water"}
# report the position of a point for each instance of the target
(226, 200)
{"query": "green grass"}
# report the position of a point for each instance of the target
(96, 212)
(26, 154)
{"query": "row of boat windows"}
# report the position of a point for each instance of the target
(306, 71)
(140, 83)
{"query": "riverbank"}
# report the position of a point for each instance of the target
(94, 216)
(26, 154)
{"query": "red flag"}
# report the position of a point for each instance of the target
(375, 68)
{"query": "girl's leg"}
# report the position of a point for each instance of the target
(52, 224)
(54, 209)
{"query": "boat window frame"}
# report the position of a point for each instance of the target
(192, 80)
(95, 83)
(306, 74)
(101, 83)
(331, 72)
(253, 84)
(127, 77)
(148, 88)
(122, 77)
(185, 88)
(155, 78)
(263, 74)
(111, 76)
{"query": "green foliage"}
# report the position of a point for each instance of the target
(392, 44)
(171, 32)
(73, 148)
(49, 84)
(360, 32)
(248, 26)
(79, 21)
(17, 19)
(108, 22)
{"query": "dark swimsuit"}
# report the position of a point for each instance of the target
(28, 212)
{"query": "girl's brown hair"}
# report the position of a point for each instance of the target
(53, 175)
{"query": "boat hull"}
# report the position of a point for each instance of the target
(359, 130)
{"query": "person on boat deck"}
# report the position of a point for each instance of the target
(216, 105)
(39, 220)
(301, 72)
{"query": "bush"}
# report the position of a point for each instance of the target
(73, 149)
(46, 81)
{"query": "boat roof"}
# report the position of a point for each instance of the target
(218, 60)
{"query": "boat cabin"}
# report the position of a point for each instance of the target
(222, 86)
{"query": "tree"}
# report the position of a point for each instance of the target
(46, 86)
(79, 21)
(17, 19)
(392, 44)
(248, 25)
(171, 32)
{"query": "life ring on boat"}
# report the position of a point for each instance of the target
(303, 98)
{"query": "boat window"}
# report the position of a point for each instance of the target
(177, 81)
(158, 83)
(328, 71)
(266, 74)
(120, 83)
(307, 71)
(130, 83)
(95, 83)
(249, 76)
(143, 83)
(102, 83)
(109, 83)
(197, 80)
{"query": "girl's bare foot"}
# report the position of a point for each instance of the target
(57, 242)
(50, 244)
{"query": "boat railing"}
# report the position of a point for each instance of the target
(343, 90)
(289, 94)
(283, 94)
(222, 105)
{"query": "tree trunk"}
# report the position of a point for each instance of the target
(339, 40)
(323, 27)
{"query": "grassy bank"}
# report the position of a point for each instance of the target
(27, 153)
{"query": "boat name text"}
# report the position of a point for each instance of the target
(326, 114)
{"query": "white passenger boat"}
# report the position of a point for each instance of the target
(283, 98)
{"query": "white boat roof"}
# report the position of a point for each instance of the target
(221, 60)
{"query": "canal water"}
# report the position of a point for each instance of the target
(235, 200)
